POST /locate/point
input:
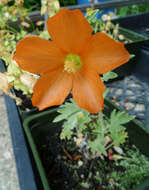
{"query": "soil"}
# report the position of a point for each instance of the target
(26, 102)
(67, 169)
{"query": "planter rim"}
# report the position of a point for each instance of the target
(133, 33)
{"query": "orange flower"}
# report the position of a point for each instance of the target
(73, 61)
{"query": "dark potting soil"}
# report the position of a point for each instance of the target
(26, 102)
(67, 169)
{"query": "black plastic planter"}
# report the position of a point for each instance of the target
(137, 23)
(37, 127)
(133, 48)
(140, 26)
(141, 69)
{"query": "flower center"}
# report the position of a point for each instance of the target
(72, 63)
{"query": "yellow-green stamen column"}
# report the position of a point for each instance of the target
(72, 63)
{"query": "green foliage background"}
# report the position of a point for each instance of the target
(32, 4)
(135, 9)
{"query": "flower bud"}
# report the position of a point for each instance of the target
(121, 37)
(108, 24)
(104, 17)
(27, 25)
(40, 22)
(19, 2)
(7, 15)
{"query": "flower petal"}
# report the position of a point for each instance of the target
(37, 55)
(104, 54)
(88, 91)
(51, 89)
(69, 30)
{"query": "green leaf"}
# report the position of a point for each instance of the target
(121, 117)
(68, 126)
(66, 110)
(98, 145)
(91, 14)
(108, 76)
(44, 35)
(12, 68)
(74, 117)
(99, 127)
(117, 130)
(105, 93)
(132, 56)
(77, 120)
(85, 185)
(83, 119)
(119, 138)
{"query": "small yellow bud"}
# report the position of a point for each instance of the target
(80, 115)
(109, 18)
(121, 37)
(40, 22)
(27, 25)
(43, 10)
(108, 24)
(79, 139)
(115, 32)
(104, 17)
(7, 15)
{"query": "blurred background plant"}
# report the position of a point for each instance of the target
(66, 2)
(132, 10)
(9, 35)
(32, 4)
(12, 12)
(105, 25)
(50, 7)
